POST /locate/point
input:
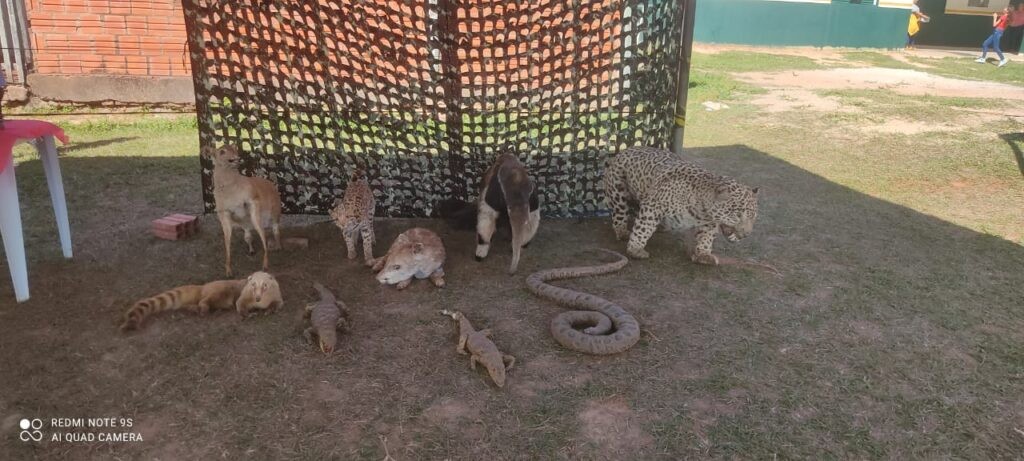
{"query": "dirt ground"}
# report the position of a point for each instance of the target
(732, 362)
(894, 330)
(903, 81)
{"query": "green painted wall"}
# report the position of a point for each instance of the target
(779, 23)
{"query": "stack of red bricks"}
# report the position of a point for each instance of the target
(175, 226)
(125, 37)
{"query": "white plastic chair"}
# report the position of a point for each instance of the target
(10, 215)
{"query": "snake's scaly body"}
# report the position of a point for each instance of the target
(614, 330)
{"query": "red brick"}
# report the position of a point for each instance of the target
(51, 5)
(128, 43)
(164, 224)
(114, 22)
(88, 17)
(70, 67)
(93, 68)
(170, 27)
(165, 235)
(55, 41)
(47, 68)
(114, 62)
(64, 29)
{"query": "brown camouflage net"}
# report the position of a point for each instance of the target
(425, 93)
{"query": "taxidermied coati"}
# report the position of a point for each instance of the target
(507, 190)
(259, 291)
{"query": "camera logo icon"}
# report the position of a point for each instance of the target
(30, 430)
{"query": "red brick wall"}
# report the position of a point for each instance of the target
(121, 37)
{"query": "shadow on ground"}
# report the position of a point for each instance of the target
(890, 334)
(1015, 140)
(99, 143)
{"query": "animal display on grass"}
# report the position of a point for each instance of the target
(507, 190)
(668, 188)
(415, 253)
(481, 349)
(247, 202)
(326, 318)
(259, 291)
(610, 328)
(354, 215)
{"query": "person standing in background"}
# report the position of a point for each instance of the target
(999, 21)
(1015, 29)
(916, 18)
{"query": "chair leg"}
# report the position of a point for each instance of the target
(48, 154)
(10, 229)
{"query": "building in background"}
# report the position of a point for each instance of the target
(130, 51)
(846, 23)
(964, 23)
(134, 51)
(839, 23)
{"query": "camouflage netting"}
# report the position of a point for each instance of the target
(425, 93)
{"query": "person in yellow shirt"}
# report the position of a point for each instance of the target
(916, 18)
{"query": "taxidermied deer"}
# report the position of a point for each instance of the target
(250, 203)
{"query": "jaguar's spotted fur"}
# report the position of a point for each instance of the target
(668, 188)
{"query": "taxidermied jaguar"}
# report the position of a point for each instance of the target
(669, 189)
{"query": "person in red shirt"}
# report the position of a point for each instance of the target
(999, 23)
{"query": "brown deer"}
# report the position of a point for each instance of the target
(247, 202)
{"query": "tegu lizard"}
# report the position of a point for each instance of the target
(481, 349)
(326, 317)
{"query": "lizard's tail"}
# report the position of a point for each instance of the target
(325, 294)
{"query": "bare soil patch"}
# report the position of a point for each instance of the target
(789, 99)
(904, 81)
(614, 428)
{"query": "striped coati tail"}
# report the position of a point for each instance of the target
(168, 300)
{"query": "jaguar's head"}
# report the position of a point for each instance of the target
(739, 211)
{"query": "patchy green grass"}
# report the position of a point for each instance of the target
(966, 68)
(876, 59)
(716, 86)
(109, 164)
(894, 331)
(710, 79)
(741, 61)
(883, 104)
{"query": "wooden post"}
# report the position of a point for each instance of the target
(683, 73)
